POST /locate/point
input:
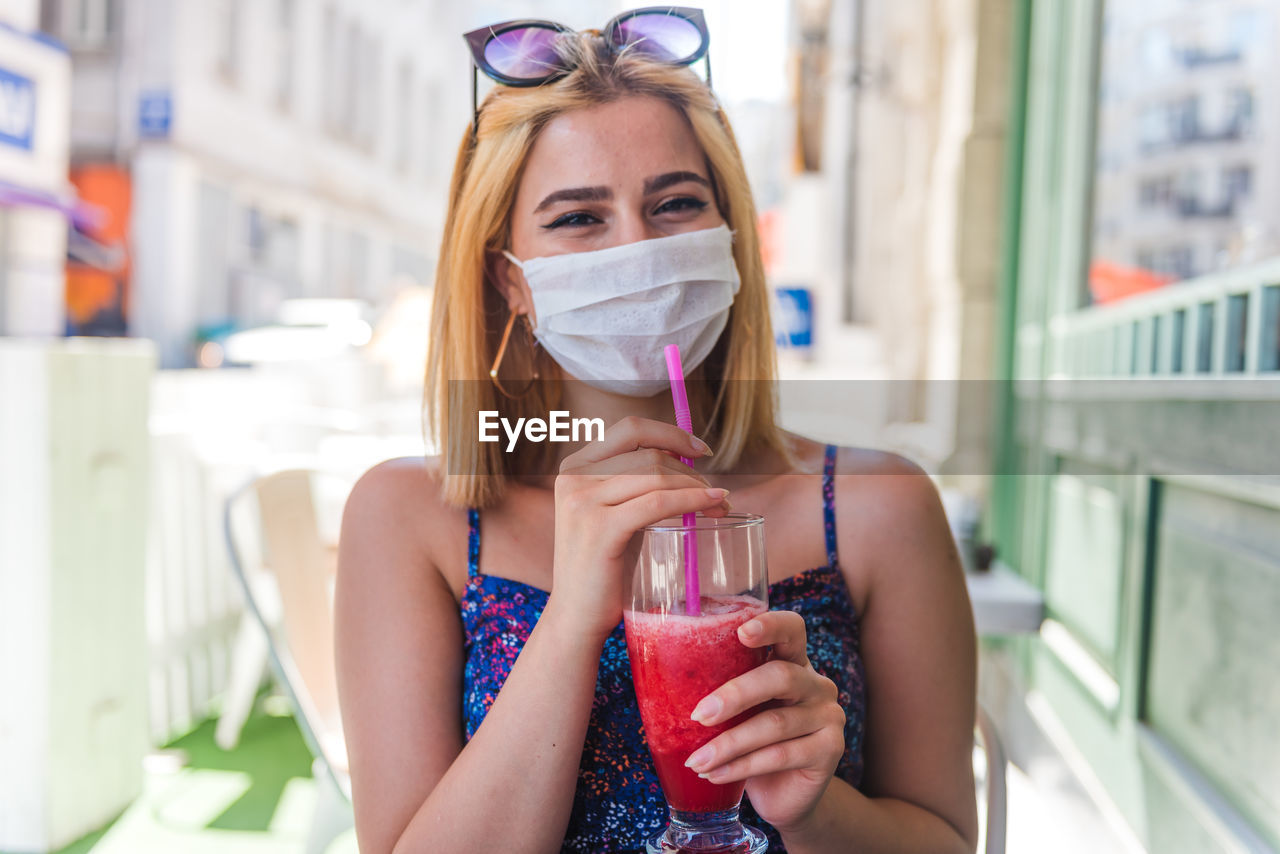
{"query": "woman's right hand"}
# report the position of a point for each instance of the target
(605, 493)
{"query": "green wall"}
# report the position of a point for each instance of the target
(1161, 656)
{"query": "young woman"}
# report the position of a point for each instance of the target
(486, 694)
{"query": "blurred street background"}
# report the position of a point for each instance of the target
(1033, 245)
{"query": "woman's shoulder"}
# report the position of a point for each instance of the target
(885, 506)
(400, 485)
(892, 519)
(810, 455)
(878, 492)
(399, 502)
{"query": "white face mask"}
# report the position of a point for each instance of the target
(605, 316)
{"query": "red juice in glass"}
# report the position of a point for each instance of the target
(676, 660)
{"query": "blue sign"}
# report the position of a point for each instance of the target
(155, 114)
(794, 317)
(17, 110)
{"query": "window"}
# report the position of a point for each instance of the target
(402, 110)
(1157, 341)
(332, 61)
(229, 41)
(89, 24)
(349, 62)
(1237, 182)
(1188, 85)
(1184, 119)
(1179, 341)
(1237, 332)
(431, 145)
(370, 88)
(1180, 262)
(1135, 335)
(1240, 112)
(285, 23)
(1188, 192)
(352, 82)
(1269, 354)
(1204, 338)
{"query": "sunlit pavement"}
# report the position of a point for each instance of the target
(260, 797)
(1052, 816)
(179, 811)
(256, 799)
(175, 813)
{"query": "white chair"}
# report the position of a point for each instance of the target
(288, 588)
(991, 777)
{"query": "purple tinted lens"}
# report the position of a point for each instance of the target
(527, 53)
(666, 37)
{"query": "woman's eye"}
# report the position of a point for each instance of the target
(682, 203)
(578, 218)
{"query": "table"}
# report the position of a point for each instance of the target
(1004, 603)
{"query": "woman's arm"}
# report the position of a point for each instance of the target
(512, 787)
(847, 820)
(399, 638)
(919, 650)
(399, 655)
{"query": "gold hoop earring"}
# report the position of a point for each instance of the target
(502, 351)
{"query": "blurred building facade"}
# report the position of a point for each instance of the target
(35, 198)
(894, 214)
(1189, 114)
(271, 150)
(262, 151)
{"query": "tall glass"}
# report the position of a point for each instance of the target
(678, 657)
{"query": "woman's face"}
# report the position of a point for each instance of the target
(606, 176)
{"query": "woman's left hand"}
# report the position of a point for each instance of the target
(787, 752)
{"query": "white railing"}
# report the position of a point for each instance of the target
(73, 463)
(1223, 325)
(212, 431)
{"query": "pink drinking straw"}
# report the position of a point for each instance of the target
(684, 419)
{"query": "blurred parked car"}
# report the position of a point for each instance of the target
(306, 329)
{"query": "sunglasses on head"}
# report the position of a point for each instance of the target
(524, 53)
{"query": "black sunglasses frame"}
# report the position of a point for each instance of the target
(478, 40)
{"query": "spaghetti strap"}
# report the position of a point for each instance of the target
(614, 803)
(473, 542)
(829, 504)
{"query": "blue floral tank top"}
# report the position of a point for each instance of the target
(618, 803)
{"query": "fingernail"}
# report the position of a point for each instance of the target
(700, 757)
(716, 492)
(707, 709)
(702, 447)
(751, 629)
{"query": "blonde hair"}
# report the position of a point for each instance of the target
(732, 393)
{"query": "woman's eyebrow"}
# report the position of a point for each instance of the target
(652, 185)
(575, 194)
(661, 182)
